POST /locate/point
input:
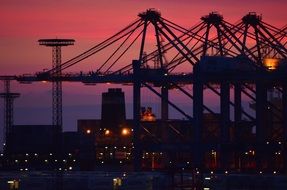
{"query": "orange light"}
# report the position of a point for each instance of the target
(107, 132)
(88, 131)
(271, 63)
(125, 131)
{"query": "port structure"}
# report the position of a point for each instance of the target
(9, 98)
(247, 57)
(56, 45)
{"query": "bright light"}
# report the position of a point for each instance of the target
(271, 63)
(207, 178)
(125, 131)
(107, 132)
(70, 168)
(117, 182)
(88, 131)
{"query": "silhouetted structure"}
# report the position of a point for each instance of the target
(31, 147)
(113, 108)
(56, 45)
(247, 58)
(8, 97)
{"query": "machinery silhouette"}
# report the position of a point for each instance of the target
(248, 57)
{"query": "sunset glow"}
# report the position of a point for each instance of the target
(90, 22)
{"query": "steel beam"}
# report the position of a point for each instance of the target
(261, 110)
(164, 103)
(9, 98)
(57, 119)
(198, 118)
(136, 115)
(224, 123)
(237, 108)
(284, 107)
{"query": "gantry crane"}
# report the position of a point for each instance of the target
(234, 62)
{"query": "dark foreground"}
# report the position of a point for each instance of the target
(135, 181)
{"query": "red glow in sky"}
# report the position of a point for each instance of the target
(90, 22)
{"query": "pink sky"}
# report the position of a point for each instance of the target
(90, 22)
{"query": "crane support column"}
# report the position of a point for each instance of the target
(237, 107)
(8, 97)
(164, 102)
(261, 110)
(136, 115)
(225, 122)
(57, 118)
(198, 118)
(284, 102)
